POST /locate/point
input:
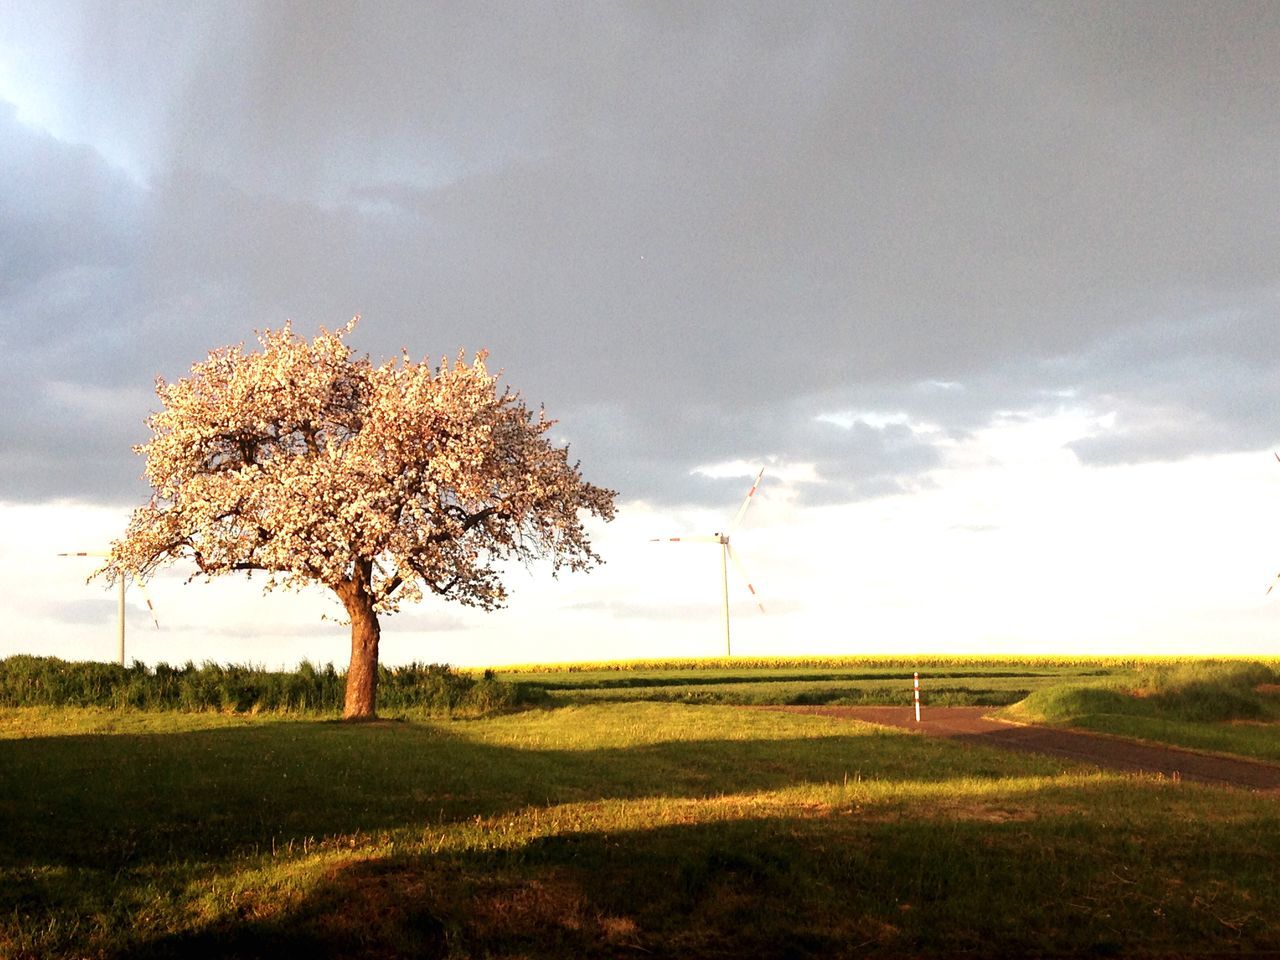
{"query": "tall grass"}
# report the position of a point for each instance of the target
(1208, 691)
(1197, 692)
(1210, 705)
(27, 681)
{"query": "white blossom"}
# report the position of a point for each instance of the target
(379, 482)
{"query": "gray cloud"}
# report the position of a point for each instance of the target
(654, 451)
(695, 612)
(689, 230)
(1203, 386)
(86, 612)
(63, 209)
(433, 621)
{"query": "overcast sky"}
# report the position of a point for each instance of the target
(992, 291)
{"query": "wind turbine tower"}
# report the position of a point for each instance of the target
(726, 556)
(120, 600)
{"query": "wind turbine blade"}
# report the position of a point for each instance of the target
(685, 540)
(743, 572)
(747, 502)
(147, 598)
(1273, 583)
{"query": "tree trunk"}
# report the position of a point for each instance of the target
(362, 674)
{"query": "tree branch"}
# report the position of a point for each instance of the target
(469, 520)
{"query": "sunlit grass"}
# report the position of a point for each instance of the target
(21, 722)
(951, 681)
(598, 829)
(1202, 705)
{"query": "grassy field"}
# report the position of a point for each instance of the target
(586, 828)
(953, 681)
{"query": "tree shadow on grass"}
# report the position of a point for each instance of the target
(130, 800)
(829, 887)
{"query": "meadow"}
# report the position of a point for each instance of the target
(847, 681)
(584, 825)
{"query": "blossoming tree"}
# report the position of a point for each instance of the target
(378, 482)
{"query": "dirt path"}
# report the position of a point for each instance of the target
(968, 724)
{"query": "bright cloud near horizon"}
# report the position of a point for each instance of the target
(990, 290)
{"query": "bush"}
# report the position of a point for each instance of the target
(1208, 691)
(1204, 692)
(27, 681)
(1244, 675)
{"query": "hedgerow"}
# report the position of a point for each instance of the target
(29, 681)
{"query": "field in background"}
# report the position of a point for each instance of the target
(592, 826)
(849, 684)
(1204, 704)
(945, 681)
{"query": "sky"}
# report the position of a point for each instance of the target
(991, 291)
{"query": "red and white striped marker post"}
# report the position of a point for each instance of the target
(917, 691)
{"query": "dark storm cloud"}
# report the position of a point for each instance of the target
(689, 229)
(61, 209)
(68, 246)
(68, 226)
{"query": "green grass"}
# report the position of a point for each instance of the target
(845, 682)
(601, 829)
(711, 665)
(1207, 705)
(415, 688)
(951, 691)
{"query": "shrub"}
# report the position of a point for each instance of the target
(1208, 691)
(421, 688)
(1203, 692)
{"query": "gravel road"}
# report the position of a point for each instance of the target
(968, 724)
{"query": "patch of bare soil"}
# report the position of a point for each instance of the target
(970, 725)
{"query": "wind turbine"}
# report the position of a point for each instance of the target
(120, 603)
(726, 555)
(1277, 578)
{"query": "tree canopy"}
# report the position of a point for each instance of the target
(379, 482)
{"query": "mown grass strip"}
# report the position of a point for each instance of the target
(863, 662)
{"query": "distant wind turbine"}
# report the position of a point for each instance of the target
(726, 555)
(1277, 577)
(120, 595)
